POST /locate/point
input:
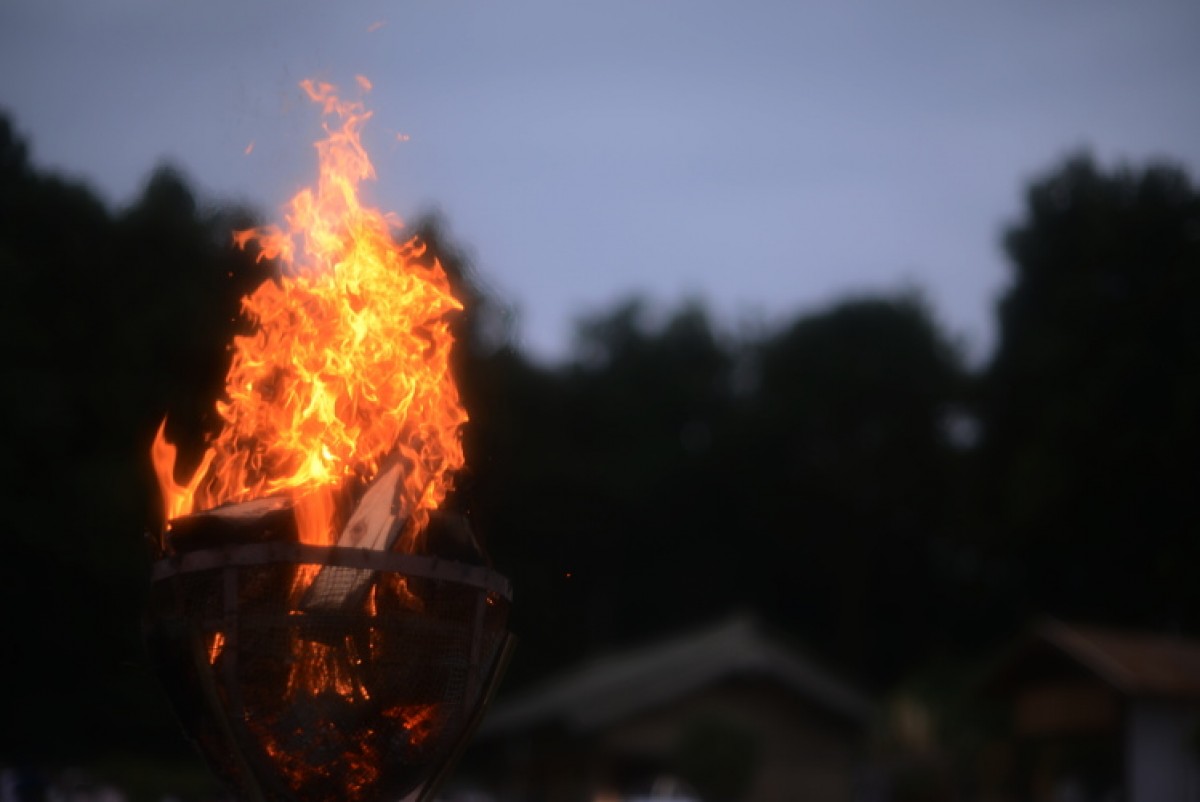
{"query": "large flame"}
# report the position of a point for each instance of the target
(348, 365)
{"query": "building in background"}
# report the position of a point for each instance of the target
(1099, 714)
(726, 713)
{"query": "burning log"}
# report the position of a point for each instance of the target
(258, 521)
(374, 524)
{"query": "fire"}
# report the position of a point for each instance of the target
(318, 668)
(349, 363)
(419, 721)
(216, 646)
(346, 379)
(340, 406)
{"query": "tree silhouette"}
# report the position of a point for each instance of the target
(674, 473)
(857, 475)
(109, 320)
(1092, 446)
(666, 472)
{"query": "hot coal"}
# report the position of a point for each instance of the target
(363, 703)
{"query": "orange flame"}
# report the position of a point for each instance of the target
(346, 374)
(216, 646)
(349, 363)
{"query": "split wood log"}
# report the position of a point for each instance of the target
(256, 521)
(374, 524)
(448, 536)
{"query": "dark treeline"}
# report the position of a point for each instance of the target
(845, 475)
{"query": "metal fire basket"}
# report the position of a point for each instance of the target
(370, 701)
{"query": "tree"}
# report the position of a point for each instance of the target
(600, 492)
(109, 321)
(856, 478)
(669, 473)
(1091, 405)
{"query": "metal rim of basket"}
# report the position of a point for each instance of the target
(253, 554)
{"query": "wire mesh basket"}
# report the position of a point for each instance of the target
(369, 699)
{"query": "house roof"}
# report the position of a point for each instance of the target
(1140, 664)
(609, 689)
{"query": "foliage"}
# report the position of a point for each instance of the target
(109, 321)
(1091, 453)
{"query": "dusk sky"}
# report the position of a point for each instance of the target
(768, 157)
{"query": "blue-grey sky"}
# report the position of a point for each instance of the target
(768, 156)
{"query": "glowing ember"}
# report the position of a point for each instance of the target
(318, 668)
(348, 365)
(419, 721)
(216, 646)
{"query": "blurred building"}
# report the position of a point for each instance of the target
(726, 714)
(1098, 714)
